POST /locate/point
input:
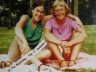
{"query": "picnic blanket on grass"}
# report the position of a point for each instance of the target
(84, 61)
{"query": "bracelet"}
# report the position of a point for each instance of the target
(39, 66)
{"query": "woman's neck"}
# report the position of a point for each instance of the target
(34, 23)
(60, 21)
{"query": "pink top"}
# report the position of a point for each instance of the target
(64, 33)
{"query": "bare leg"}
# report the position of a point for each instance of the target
(74, 54)
(14, 51)
(44, 54)
(56, 51)
(70, 53)
(76, 48)
(67, 53)
(75, 51)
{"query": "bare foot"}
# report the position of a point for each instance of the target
(63, 63)
(4, 64)
(71, 63)
(43, 68)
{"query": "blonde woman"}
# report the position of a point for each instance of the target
(59, 34)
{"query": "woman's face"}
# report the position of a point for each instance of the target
(59, 12)
(38, 13)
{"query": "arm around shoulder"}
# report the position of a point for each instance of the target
(50, 37)
(80, 37)
(46, 18)
(21, 23)
(19, 27)
(78, 21)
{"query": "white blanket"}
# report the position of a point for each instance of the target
(23, 68)
(84, 61)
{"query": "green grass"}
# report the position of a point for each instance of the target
(6, 37)
(89, 46)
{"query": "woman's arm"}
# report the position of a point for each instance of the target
(36, 61)
(50, 37)
(20, 34)
(19, 28)
(79, 39)
(46, 18)
(78, 21)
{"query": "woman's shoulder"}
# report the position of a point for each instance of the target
(23, 20)
(69, 20)
(51, 20)
(46, 18)
(24, 17)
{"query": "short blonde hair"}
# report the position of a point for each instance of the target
(61, 3)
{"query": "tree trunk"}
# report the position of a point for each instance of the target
(9, 21)
(76, 7)
(31, 3)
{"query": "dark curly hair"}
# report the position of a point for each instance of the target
(35, 4)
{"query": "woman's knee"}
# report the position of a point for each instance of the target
(48, 52)
(44, 54)
(14, 51)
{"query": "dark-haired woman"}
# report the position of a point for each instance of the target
(28, 34)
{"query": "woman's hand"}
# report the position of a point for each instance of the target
(65, 44)
(78, 21)
(25, 48)
(67, 50)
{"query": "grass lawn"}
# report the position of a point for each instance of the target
(6, 37)
(89, 46)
